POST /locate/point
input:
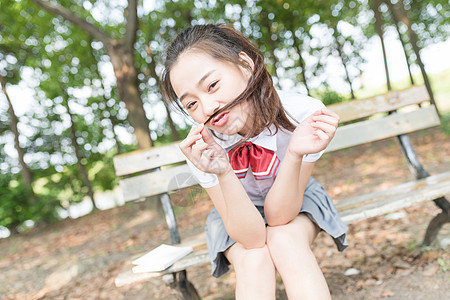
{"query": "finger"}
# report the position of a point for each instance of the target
(197, 150)
(209, 153)
(327, 119)
(331, 113)
(207, 137)
(197, 129)
(328, 128)
(186, 145)
(322, 135)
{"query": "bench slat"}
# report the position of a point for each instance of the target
(361, 108)
(393, 199)
(378, 129)
(156, 183)
(195, 258)
(142, 160)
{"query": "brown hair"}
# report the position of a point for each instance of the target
(225, 43)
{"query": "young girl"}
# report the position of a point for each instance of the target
(253, 151)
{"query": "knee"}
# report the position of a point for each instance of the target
(281, 237)
(256, 260)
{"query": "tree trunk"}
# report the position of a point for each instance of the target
(403, 16)
(79, 156)
(400, 36)
(26, 173)
(301, 62)
(378, 26)
(122, 59)
(341, 55)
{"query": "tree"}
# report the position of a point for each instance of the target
(121, 53)
(402, 41)
(401, 14)
(379, 29)
(26, 173)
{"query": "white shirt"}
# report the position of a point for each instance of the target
(299, 107)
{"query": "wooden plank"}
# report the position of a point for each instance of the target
(393, 192)
(393, 199)
(378, 129)
(196, 258)
(361, 108)
(147, 159)
(156, 183)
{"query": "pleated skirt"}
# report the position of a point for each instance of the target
(317, 206)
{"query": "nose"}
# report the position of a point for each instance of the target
(210, 106)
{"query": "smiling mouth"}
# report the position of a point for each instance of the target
(213, 116)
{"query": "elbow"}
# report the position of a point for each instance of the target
(281, 218)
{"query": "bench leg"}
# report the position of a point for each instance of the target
(438, 221)
(184, 289)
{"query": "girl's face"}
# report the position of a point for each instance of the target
(204, 85)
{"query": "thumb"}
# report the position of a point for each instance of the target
(207, 138)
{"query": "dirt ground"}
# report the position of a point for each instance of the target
(80, 258)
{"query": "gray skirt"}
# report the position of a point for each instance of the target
(317, 206)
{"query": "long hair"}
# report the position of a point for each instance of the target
(225, 43)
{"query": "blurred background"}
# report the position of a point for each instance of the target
(80, 79)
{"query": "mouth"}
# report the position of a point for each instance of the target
(219, 120)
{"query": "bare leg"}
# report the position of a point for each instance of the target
(290, 248)
(255, 272)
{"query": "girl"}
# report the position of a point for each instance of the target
(253, 151)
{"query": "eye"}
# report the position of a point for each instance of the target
(212, 85)
(191, 104)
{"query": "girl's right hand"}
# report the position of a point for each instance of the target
(207, 156)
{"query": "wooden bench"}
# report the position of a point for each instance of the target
(162, 170)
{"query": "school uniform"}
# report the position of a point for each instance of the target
(317, 204)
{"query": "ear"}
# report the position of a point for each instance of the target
(248, 61)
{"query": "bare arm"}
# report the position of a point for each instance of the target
(242, 220)
(285, 198)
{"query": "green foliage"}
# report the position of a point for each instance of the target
(18, 204)
(329, 97)
(445, 124)
(77, 111)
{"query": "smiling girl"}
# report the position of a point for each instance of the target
(253, 151)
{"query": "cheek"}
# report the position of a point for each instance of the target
(197, 118)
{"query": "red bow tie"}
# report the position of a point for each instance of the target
(264, 162)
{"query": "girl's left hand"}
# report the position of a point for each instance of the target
(314, 133)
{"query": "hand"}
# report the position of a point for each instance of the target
(207, 156)
(314, 133)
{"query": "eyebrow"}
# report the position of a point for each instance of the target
(198, 83)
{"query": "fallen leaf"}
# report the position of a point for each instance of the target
(387, 293)
(431, 269)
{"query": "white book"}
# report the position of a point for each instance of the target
(160, 258)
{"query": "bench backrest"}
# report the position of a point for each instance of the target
(163, 169)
